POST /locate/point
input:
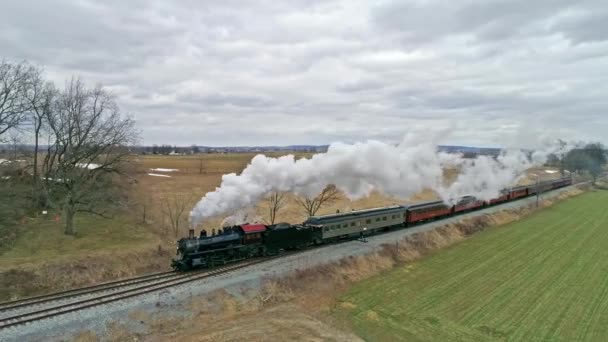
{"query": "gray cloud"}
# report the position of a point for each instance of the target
(272, 72)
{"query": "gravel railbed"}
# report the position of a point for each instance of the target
(80, 297)
(170, 302)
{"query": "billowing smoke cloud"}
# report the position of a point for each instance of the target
(241, 216)
(400, 170)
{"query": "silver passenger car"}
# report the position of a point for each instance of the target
(354, 223)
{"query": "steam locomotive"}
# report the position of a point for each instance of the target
(231, 244)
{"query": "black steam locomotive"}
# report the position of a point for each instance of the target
(241, 242)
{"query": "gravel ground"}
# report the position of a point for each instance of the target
(171, 301)
(80, 297)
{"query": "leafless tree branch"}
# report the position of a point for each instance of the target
(175, 207)
(276, 202)
(89, 142)
(312, 205)
(14, 83)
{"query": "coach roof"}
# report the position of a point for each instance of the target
(356, 214)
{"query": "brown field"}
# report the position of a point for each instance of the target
(200, 174)
(191, 183)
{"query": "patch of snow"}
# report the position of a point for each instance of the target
(5, 177)
(2, 161)
(163, 170)
(56, 180)
(88, 166)
(157, 175)
(551, 171)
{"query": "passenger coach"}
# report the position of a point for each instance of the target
(354, 223)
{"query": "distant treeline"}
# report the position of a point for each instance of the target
(194, 149)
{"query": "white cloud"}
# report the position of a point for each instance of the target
(262, 72)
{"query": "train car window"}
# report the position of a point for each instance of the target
(344, 225)
(352, 224)
(377, 219)
(368, 221)
(383, 218)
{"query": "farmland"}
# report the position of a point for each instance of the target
(141, 230)
(541, 278)
(195, 175)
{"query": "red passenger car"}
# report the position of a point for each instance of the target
(427, 211)
(467, 203)
(504, 196)
(519, 191)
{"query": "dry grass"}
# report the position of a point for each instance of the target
(92, 258)
(40, 278)
(188, 180)
(300, 305)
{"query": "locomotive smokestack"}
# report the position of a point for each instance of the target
(190, 232)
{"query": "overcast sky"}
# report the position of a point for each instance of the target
(310, 72)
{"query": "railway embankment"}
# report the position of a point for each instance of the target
(311, 277)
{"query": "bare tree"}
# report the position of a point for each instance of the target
(327, 196)
(561, 155)
(175, 207)
(87, 149)
(14, 141)
(276, 202)
(200, 166)
(40, 96)
(13, 85)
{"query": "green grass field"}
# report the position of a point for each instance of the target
(544, 278)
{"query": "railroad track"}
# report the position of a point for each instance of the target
(83, 291)
(160, 281)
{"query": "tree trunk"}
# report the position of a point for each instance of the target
(35, 180)
(69, 220)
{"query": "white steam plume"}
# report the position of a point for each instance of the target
(398, 170)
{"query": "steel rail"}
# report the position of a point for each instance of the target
(82, 291)
(113, 297)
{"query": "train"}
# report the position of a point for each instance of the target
(240, 242)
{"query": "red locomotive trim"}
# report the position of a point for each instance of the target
(253, 228)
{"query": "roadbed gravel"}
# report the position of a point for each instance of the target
(170, 302)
